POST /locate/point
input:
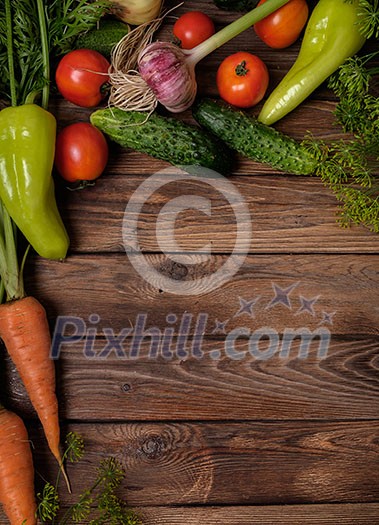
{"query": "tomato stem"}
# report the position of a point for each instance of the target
(241, 70)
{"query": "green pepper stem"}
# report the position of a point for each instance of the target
(230, 31)
(45, 53)
(31, 97)
(9, 270)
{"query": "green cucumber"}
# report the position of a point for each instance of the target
(236, 5)
(104, 38)
(164, 138)
(253, 139)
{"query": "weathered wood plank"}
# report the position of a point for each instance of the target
(108, 285)
(327, 514)
(345, 514)
(287, 214)
(234, 464)
(342, 385)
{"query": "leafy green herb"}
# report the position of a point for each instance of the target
(48, 503)
(71, 18)
(98, 504)
(65, 21)
(369, 18)
(349, 167)
(74, 447)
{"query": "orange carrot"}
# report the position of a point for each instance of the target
(25, 332)
(16, 470)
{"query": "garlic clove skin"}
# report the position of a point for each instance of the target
(165, 69)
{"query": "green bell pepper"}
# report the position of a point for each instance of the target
(27, 148)
(332, 35)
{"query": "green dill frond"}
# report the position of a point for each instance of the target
(113, 511)
(358, 109)
(348, 172)
(359, 207)
(74, 447)
(48, 505)
(351, 77)
(316, 147)
(82, 508)
(369, 18)
(350, 116)
(68, 19)
(110, 473)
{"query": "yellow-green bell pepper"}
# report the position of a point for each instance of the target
(27, 148)
(332, 35)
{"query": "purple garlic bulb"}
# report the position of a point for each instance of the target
(165, 69)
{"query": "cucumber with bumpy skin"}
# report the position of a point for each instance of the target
(104, 37)
(253, 139)
(164, 138)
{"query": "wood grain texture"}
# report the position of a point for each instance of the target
(325, 514)
(108, 285)
(234, 464)
(356, 514)
(343, 385)
(287, 214)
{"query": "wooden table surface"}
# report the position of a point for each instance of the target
(207, 438)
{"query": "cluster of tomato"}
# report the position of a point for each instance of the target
(81, 152)
(242, 78)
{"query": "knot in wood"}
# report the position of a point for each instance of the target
(174, 270)
(152, 447)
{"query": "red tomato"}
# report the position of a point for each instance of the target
(80, 76)
(81, 152)
(192, 28)
(242, 79)
(283, 27)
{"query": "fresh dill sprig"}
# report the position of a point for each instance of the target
(48, 503)
(82, 508)
(68, 19)
(369, 18)
(110, 473)
(346, 169)
(74, 447)
(350, 166)
(357, 110)
(97, 505)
